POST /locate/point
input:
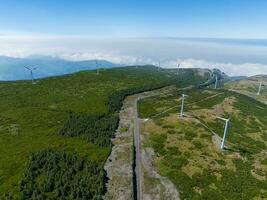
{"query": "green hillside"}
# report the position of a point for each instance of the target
(250, 87)
(187, 150)
(56, 133)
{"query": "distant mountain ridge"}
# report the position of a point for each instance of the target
(13, 68)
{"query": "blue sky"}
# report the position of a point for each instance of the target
(137, 18)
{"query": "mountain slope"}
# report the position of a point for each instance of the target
(187, 150)
(250, 87)
(67, 121)
(13, 68)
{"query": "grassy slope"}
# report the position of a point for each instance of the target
(250, 87)
(31, 115)
(187, 155)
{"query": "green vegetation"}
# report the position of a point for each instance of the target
(72, 116)
(188, 153)
(250, 87)
(95, 129)
(55, 175)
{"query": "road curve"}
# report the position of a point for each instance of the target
(137, 152)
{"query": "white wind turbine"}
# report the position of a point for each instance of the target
(182, 106)
(31, 72)
(259, 90)
(216, 82)
(225, 130)
(97, 67)
(178, 68)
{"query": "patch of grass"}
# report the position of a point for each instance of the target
(249, 87)
(190, 159)
(190, 135)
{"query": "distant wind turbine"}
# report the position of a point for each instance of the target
(178, 68)
(216, 82)
(97, 67)
(259, 90)
(225, 130)
(31, 72)
(159, 65)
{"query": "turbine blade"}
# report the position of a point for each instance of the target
(28, 68)
(221, 118)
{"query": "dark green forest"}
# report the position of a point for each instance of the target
(51, 174)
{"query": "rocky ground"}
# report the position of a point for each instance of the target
(119, 164)
(155, 186)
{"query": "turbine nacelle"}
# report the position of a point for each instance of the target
(184, 95)
(31, 69)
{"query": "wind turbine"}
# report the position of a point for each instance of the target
(182, 106)
(216, 82)
(31, 72)
(178, 67)
(159, 65)
(259, 90)
(225, 130)
(97, 67)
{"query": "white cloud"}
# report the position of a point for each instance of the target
(233, 59)
(232, 69)
(120, 59)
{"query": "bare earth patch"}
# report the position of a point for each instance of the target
(119, 164)
(227, 106)
(155, 186)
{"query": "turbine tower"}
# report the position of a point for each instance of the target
(178, 67)
(259, 90)
(97, 67)
(31, 72)
(225, 130)
(216, 82)
(159, 65)
(182, 106)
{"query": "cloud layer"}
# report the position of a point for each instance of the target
(234, 57)
(232, 69)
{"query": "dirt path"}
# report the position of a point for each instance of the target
(156, 187)
(153, 186)
(137, 183)
(119, 164)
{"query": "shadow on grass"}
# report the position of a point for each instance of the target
(239, 150)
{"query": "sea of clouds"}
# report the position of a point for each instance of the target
(234, 57)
